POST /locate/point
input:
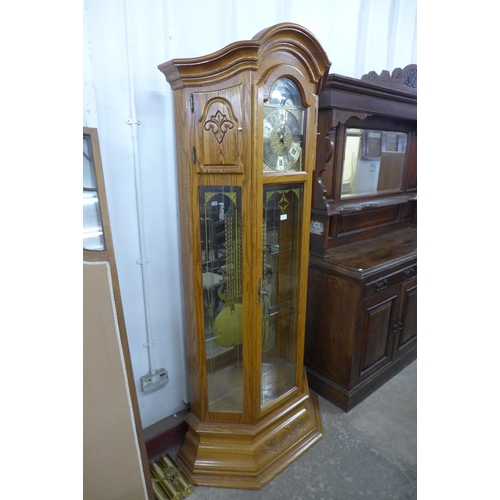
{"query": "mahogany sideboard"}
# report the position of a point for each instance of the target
(361, 323)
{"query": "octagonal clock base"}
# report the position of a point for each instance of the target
(249, 456)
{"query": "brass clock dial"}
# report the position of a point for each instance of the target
(283, 128)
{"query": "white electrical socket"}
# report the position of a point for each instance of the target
(153, 382)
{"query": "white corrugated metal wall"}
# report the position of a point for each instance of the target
(124, 41)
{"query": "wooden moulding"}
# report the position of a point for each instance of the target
(385, 95)
(250, 455)
(247, 55)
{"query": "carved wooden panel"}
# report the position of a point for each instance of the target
(376, 334)
(219, 125)
(360, 221)
(403, 78)
(323, 175)
(283, 438)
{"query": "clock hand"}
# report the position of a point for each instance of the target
(282, 135)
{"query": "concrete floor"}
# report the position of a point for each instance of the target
(370, 452)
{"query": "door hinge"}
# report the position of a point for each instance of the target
(191, 101)
(193, 154)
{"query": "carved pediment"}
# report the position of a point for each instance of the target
(404, 79)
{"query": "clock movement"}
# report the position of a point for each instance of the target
(246, 144)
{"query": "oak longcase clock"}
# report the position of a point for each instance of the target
(245, 138)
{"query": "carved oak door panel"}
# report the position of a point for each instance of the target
(218, 125)
(376, 333)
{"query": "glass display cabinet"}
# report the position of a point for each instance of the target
(246, 145)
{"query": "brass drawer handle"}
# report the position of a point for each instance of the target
(408, 273)
(382, 285)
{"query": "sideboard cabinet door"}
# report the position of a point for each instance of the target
(361, 317)
(406, 335)
(376, 333)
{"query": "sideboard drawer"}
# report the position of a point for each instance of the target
(385, 282)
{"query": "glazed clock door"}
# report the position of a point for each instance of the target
(219, 149)
(284, 143)
(281, 251)
(222, 278)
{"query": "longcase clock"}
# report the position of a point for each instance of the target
(246, 138)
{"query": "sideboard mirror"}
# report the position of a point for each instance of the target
(365, 181)
(374, 162)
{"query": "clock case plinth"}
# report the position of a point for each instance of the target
(218, 101)
(250, 455)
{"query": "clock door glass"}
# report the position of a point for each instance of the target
(283, 131)
(280, 288)
(221, 275)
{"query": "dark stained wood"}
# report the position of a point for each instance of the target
(411, 181)
(376, 337)
(372, 94)
(375, 255)
(406, 335)
(403, 79)
(380, 102)
(361, 323)
(361, 316)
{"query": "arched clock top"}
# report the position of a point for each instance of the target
(291, 43)
(293, 39)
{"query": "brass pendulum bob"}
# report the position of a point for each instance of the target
(161, 479)
(179, 480)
